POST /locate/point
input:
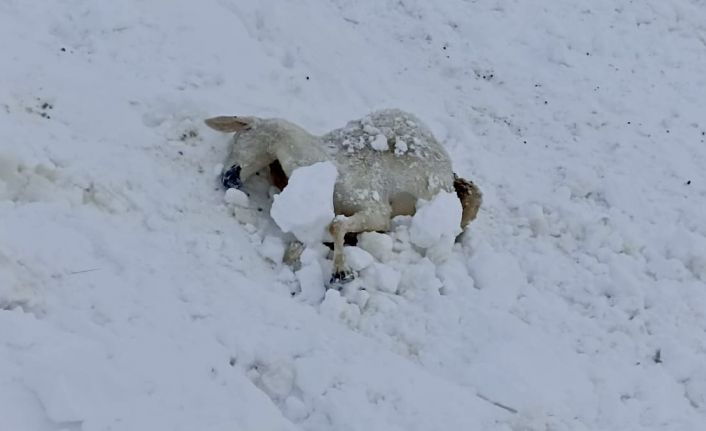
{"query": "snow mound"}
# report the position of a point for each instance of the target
(305, 206)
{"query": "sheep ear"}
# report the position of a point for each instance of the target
(228, 124)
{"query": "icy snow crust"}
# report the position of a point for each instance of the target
(383, 130)
(132, 296)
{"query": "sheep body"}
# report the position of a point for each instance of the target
(412, 164)
(386, 161)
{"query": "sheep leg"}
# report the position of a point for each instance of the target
(292, 255)
(371, 219)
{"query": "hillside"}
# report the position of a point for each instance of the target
(132, 297)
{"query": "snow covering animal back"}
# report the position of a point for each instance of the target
(386, 161)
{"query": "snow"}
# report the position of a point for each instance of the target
(357, 258)
(236, 197)
(272, 248)
(384, 278)
(400, 146)
(437, 222)
(379, 143)
(377, 244)
(132, 296)
(305, 206)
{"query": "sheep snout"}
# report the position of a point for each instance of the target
(231, 177)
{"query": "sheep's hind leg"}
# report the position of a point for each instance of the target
(371, 219)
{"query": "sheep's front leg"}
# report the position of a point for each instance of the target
(370, 219)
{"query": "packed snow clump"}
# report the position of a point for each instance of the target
(305, 206)
(437, 222)
(379, 143)
(272, 248)
(377, 244)
(311, 275)
(236, 197)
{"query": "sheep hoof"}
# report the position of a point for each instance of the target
(342, 277)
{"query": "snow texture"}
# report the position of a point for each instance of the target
(133, 297)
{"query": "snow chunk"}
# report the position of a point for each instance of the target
(379, 143)
(272, 248)
(400, 147)
(305, 206)
(420, 280)
(336, 307)
(437, 221)
(361, 298)
(333, 304)
(357, 258)
(377, 244)
(236, 197)
(311, 282)
(454, 274)
(386, 278)
(311, 276)
(370, 130)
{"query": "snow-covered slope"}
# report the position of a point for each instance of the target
(131, 298)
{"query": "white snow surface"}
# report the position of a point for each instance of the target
(132, 297)
(305, 206)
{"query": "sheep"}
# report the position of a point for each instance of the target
(386, 162)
